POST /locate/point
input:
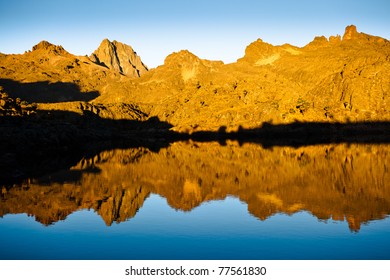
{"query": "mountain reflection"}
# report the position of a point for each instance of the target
(339, 182)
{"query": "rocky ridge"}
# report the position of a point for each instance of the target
(330, 79)
(49, 74)
(336, 79)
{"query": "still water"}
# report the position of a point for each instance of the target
(205, 201)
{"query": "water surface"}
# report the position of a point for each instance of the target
(205, 201)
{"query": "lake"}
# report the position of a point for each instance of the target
(195, 200)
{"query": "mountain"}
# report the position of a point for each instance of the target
(336, 79)
(50, 74)
(119, 57)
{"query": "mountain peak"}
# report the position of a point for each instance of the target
(181, 57)
(350, 32)
(49, 47)
(258, 50)
(119, 57)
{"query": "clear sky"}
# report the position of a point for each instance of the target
(211, 29)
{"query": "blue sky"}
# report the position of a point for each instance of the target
(218, 30)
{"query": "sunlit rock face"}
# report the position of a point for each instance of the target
(350, 32)
(332, 182)
(336, 79)
(120, 57)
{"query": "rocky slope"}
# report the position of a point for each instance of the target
(336, 79)
(49, 74)
(328, 80)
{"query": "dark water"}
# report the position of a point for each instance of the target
(205, 201)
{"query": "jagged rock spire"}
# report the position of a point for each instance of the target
(119, 57)
(350, 32)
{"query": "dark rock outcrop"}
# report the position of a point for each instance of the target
(17, 107)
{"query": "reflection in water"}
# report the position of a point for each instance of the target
(333, 182)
